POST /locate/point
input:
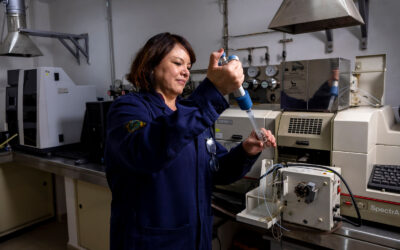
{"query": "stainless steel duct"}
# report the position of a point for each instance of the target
(302, 16)
(17, 43)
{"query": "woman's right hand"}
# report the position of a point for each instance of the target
(226, 78)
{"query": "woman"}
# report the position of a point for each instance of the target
(161, 158)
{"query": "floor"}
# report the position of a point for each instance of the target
(51, 235)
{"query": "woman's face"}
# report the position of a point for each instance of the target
(172, 73)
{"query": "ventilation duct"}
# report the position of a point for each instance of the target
(302, 16)
(17, 43)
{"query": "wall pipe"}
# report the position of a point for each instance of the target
(111, 40)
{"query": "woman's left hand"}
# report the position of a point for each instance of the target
(252, 145)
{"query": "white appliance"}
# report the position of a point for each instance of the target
(50, 107)
(362, 137)
(312, 197)
(300, 195)
(233, 126)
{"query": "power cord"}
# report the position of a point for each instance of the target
(271, 170)
(339, 218)
(216, 236)
(219, 242)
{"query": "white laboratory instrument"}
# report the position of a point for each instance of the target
(363, 137)
(50, 107)
(357, 140)
(300, 195)
(233, 126)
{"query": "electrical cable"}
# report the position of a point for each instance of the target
(278, 230)
(2, 145)
(273, 168)
(219, 242)
(270, 215)
(345, 219)
(265, 199)
(345, 183)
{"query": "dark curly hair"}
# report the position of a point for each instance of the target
(151, 54)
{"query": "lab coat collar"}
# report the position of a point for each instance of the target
(157, 99)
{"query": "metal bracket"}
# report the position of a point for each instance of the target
(363, 6)
(288, 40)
(62, 37)
(329, 42)
(284, 41)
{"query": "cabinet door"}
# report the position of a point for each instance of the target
(26, 197)
(94, 210)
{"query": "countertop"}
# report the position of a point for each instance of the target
(90, 172)
(345, 237)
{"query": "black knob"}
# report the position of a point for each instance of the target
(272, 97)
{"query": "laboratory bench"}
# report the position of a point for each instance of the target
(87, 197)
(88, 207)
(88, 172)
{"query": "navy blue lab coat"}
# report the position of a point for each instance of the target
(159, 172)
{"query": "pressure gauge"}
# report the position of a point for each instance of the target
(271, 70)
(246, 85)
(255, 83)
(253, 71)
(264, 84)
(117, 83)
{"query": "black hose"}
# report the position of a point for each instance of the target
(270, 171)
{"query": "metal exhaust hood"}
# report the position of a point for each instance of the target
(302, 16)
(17, 43)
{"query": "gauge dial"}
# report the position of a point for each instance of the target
(253, 71)
(117, 83)
(246, 85)
(271, 70)
(264, 84)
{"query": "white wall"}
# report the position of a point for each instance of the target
(383, 38)
(77, 17)
(201, 22)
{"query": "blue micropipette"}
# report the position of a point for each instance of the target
(243, 98)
